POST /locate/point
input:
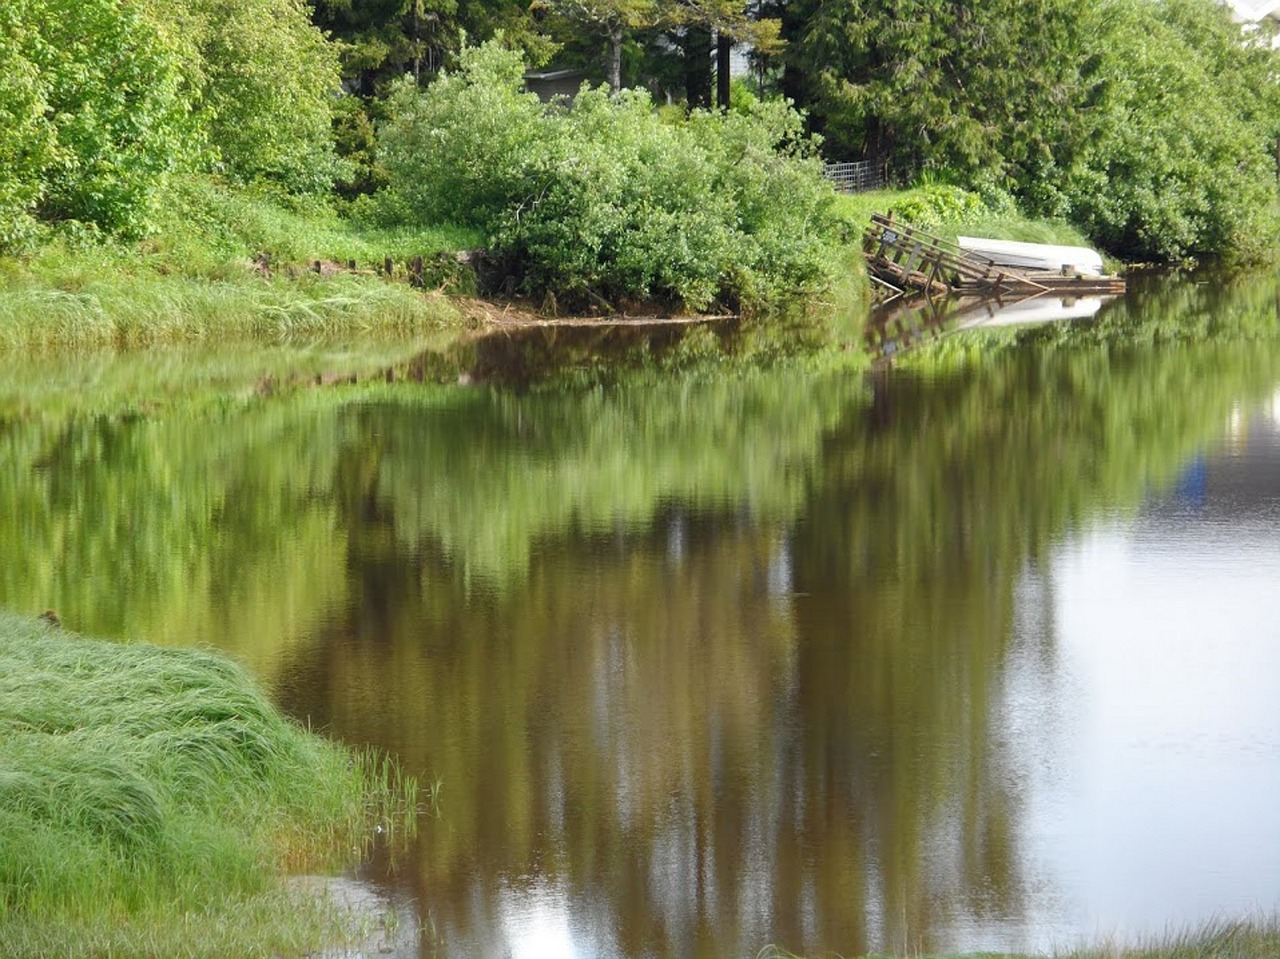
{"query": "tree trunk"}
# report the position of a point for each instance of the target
(724, 47)
(697, 67)
(613, 68)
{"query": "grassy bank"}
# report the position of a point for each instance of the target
(951, 211)
(1240, 939)
(96, 305)
(197, 278)
(151, 800)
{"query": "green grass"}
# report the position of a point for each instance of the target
(151, 800)
(196, 277)
(854, 210)
(102, 298)
(206, 224)
(1240, 939)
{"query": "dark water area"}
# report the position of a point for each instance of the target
(979, 651)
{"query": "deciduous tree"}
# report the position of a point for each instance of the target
(262, 81)
(91, 114)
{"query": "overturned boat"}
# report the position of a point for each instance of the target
(1078, 260)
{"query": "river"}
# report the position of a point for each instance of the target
(977, 651)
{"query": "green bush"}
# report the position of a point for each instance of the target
(1151, 124)
(608, 199)
(262, 83)
(26, 137)
(100, 101)
(91, 117)
(931, 207)
(1179, 161)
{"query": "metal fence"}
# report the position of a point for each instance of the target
(858, 177)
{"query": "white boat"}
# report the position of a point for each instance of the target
(1035, 256)
(1035, 309)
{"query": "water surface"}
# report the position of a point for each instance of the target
(978, 652)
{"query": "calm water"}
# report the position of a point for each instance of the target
(981, 652)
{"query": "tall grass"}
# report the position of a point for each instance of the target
(1221, 939)
(149, 795)
(196, 277)
(99, 300)
(1257, 938)
(208, 224)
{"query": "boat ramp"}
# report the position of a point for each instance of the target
(904, 260)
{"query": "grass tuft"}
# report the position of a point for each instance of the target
(52, 308)
(141, 787)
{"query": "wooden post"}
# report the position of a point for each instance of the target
(387, 266)
(419, 279)
(315, 267)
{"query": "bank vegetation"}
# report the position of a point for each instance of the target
(152, 799)
(158, 160)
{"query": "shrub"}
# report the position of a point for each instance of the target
(1174, 166)
(262, 82)
(931, 207)
(26, 137)
(608, 199)
(91, 118)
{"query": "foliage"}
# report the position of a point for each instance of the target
(1152, 125)
(91, 114)
(933, 206)
(101, 101)
(26, 135)
(685, 23)
(608, 200)
(934, 85)
(382, 40)
(1178, 158)
(261, 81)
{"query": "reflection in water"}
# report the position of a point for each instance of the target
(935, 660)
(905, 323)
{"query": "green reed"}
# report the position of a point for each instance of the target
(149, 795)
(1252, 938)
(74, 307)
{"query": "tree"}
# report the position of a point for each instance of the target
(1177, 160)
(261, 81)
(613, 20)
(692, 26)
(26, 136)
(91, 115)
(730, 22)
(935, 84)
(384, 39)
(1151, 123)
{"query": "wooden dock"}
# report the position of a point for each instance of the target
(903, 259)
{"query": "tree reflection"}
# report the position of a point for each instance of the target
(703, 662)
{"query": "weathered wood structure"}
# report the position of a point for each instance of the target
(903, 259)
(910, 321)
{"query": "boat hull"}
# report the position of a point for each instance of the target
(1035, 256)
